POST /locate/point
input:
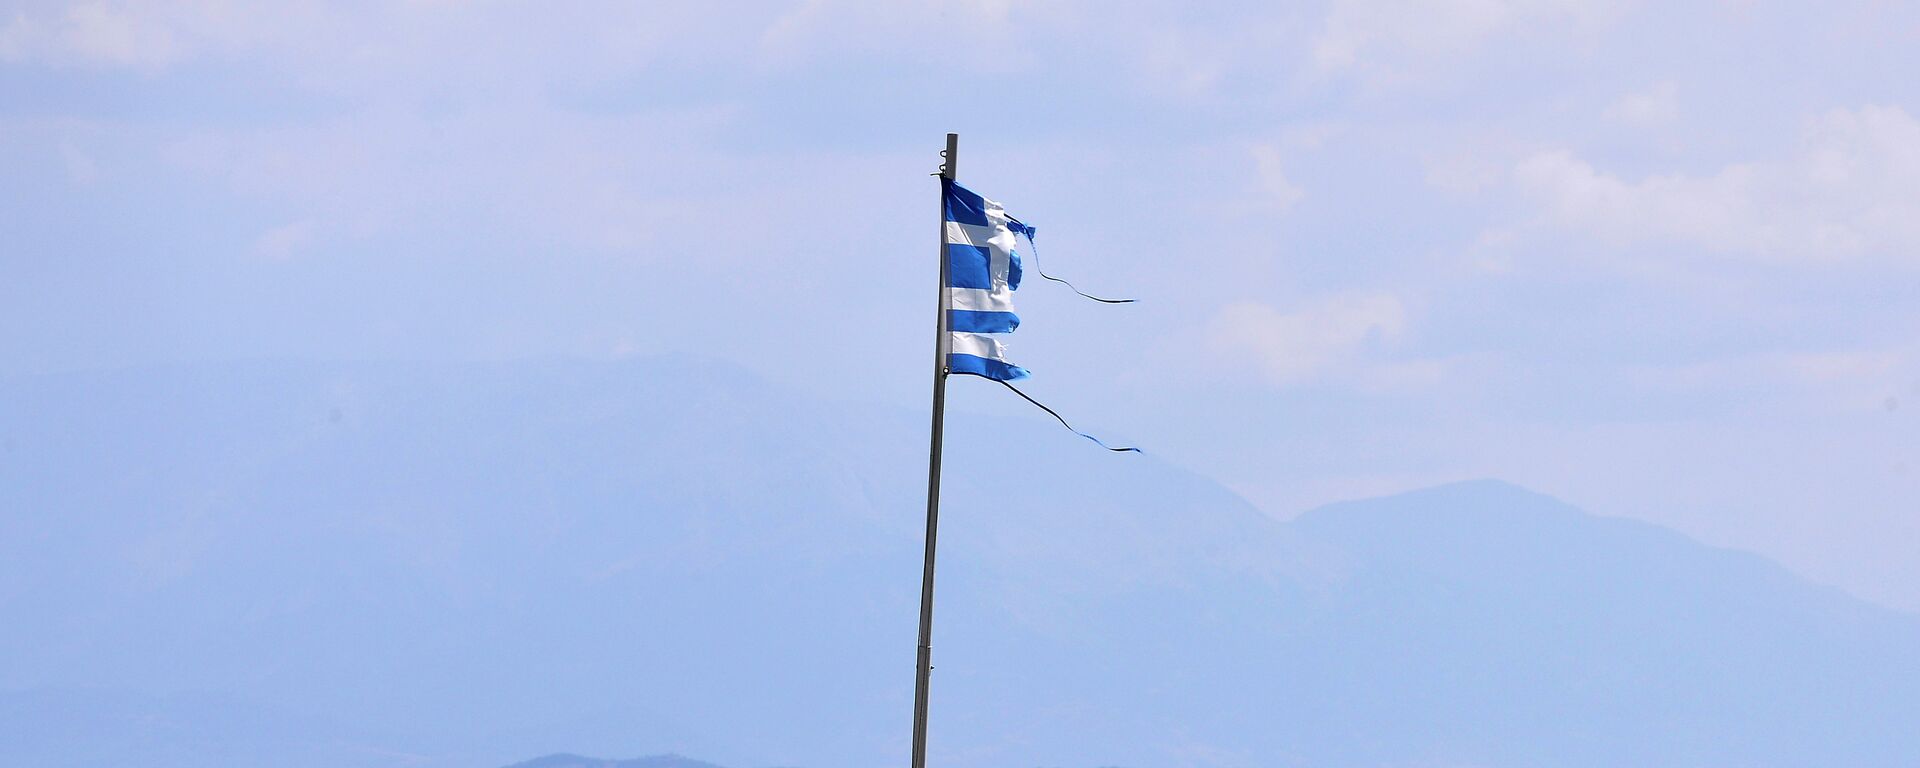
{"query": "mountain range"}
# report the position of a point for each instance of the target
(387, 564)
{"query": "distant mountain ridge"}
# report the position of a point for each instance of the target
(451, 566)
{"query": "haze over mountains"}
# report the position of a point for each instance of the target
(397, 565)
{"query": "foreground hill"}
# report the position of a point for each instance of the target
(384, 565)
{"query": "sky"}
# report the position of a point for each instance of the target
(1661, 260)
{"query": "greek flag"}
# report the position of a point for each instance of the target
(983, 271)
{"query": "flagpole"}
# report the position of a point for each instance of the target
(940, 344)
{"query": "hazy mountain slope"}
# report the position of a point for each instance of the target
(465, 565)
(110, 729)
(505, 560)
(1489, 625)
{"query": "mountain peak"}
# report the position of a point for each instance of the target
(1482, 504)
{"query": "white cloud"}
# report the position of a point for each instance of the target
(18, 37)
(81, 169)
(1396, 39)
(829, 27)
(1278, 193)
(99, 32)
(1853, 379)
(581, 178)
(138, 35)
(376, 49)
(1847, 190)
(1173, 61)
(1654, 107)
(284, 242)
(1308, 342)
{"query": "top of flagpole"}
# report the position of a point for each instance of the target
(950, 158)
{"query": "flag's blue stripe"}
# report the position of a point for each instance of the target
(976, 321)
(1014, 271)
(963, 205)
(968, 267)
(980, 366)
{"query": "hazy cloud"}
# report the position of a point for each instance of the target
(284, 242)
(1827, 380)
(81, 168)
(828, 28)
(1278, 192)
(1393, 40)
(145, 36)
(1656, 106)
(1289, 347)
(1847, 190)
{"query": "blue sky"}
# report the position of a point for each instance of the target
(1661, 260)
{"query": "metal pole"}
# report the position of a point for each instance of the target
(940, 346)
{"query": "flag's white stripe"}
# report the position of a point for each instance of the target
(969, 234)
(1001, 243)
(997, 300)
(998, 240)
(978, 345)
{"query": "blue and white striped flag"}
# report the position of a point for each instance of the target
(983, 271)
